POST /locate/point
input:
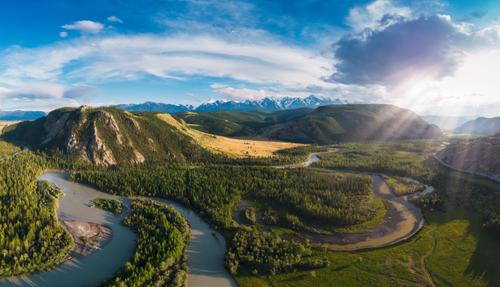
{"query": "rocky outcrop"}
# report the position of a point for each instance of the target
(109, 121)
(139, 158)
(55, 126)
(104, 136)
(97, 150)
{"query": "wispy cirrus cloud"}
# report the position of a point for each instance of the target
(96, 60)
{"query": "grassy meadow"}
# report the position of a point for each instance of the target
(451, 250)
(237, 148)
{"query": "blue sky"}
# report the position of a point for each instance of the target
(425, 55)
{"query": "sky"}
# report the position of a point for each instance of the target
(434, 57)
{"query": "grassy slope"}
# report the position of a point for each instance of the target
(7, 149)
(239, 123)
(230, 146)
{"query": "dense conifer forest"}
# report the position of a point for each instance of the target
(214, 191)
(111, 205)
(160, 256)
(264, 253)
(31, 239)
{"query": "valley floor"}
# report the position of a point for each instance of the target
(451, 250)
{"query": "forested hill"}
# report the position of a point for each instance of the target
(479, 155)
(323, 125)
(105, 136)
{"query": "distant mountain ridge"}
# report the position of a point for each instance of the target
(322, 125)
(21, 115)
(448, 123)
(266, 104)
(480, 126)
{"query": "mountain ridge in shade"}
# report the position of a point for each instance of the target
(323, 125)
(480, 126)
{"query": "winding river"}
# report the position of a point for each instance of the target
(402, 220)
(206, 250)
(207, 247)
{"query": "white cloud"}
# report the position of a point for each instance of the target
(376, 15)
(97, 60)
(114, 19)
(239, 94)
(94, 60)
(84, 26)
(63, 34)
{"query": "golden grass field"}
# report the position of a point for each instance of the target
(3, 124)
(233, 147)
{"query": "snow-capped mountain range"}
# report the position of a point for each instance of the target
(266, 104)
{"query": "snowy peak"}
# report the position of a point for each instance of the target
(267, 104)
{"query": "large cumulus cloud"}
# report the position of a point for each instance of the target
(429, 45)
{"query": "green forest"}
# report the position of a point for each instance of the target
(111, 205)
(258, 252)
(313, 196)
(305, 200)
(160, 255)
(31, 238)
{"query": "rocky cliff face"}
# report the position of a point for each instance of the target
(76, 132)
(104, 136)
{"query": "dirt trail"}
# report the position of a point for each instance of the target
(427, 274)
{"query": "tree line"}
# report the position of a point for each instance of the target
(263, 253)
(31, 238)
(215, 190)
(160, 257)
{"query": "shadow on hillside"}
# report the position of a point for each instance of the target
(485, 262)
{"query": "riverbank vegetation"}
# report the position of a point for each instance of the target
(160, 255)
(258, 252)
(111, 205)
(333, 199)
(451, 250)
(414, 159)
(304, 197)
(31, 238)
(403, 186)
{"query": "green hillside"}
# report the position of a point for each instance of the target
(324, 125)
(105, 136)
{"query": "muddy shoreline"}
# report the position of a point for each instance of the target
(88, 237)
